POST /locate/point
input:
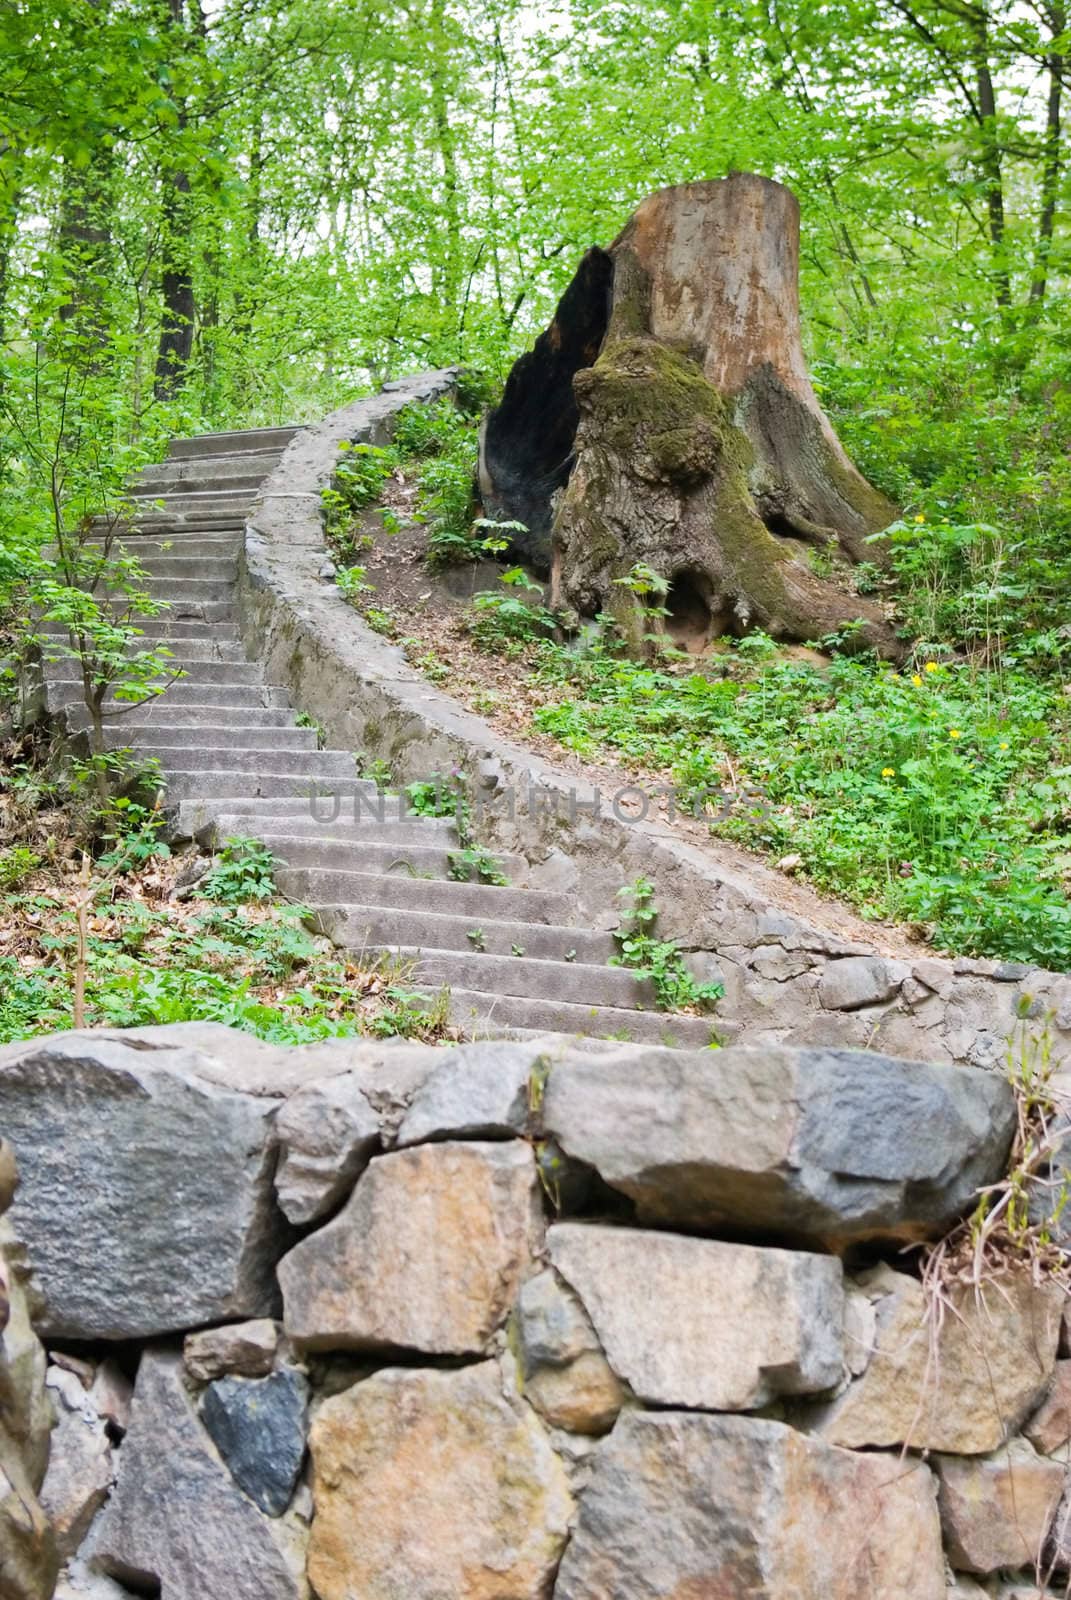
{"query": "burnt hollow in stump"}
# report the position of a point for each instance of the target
(686, 436)
(526, 444)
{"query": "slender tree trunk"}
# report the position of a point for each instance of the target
(992, 166)
(85, 244)
(448, 274)
(176, 325)
(1053, 160)
(176, 286)
(10, 201)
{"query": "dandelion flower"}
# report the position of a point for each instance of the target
(954, 733)
(916, 680)
(920, 518)
(888, 772)
(1004, 745)
(931, 666)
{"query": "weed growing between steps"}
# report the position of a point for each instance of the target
(658, 960)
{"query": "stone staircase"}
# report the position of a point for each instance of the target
(236, 760)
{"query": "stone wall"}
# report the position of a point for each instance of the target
(29, 1558)
(789, 978)
(514, 1320)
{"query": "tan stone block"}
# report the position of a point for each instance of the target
(433, 1484)
(427, 1254)
(965, 1392)
(996, 1510)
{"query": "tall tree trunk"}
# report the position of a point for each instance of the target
(447, 275)
(176, 288)
(85, 244)
(992, 164)
(701, 451)
(1053, 158)
(176, 284)
(10, 200)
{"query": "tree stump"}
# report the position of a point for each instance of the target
(666, 419)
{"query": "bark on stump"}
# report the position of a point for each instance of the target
(666, 418)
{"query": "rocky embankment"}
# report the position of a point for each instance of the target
(512, 1320)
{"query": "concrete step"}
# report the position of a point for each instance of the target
(158, 737)
(178, 564)
(182, 593)
(165, 625)
(196, 669)
(241, 442)
(480, 903)
(213, 472)
(186, 502)
(573, 982)
(345, 819)
(360, 927)
(489, 1015)
(167, 710)
(353, 798)
(303, 842)
(309, 765)
(237, 788)
(170, 525)
(177, 650)
(200, 818)
(147, 547)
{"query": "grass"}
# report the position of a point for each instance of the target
(252, 966)
(940, 797)
(227, 948)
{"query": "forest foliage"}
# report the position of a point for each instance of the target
(233, 212)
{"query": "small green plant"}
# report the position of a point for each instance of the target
(473, 865)
(477, 938)
(381, 621)
(16, 865)
(496, 617)
(644, 582)
(304, 720)
(351, 583)
(135, 834)
(377, 770)
(409, 1013)
(658, 960)
(358, 482)
(516, 949)
(243, 871)
(437, 797)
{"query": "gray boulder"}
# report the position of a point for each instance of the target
(834, 1146)
(176, 1522)
(330, 1129)
(478, 1091)
(258, 1427)
(146, 1190)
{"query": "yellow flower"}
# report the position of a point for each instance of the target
(953, 733)
(931, 666)
(888, 772)
(920, 519)
(1004, 746)
(916, 680)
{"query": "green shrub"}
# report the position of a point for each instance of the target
(243, 871)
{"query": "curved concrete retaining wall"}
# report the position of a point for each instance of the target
(787, 979)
